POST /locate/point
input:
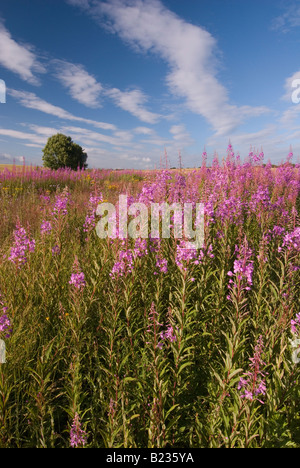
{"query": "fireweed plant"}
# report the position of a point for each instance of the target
(141, 342)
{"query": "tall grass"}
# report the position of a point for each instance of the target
(140, 343)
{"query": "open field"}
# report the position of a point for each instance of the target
(142, 342)
(9, 167)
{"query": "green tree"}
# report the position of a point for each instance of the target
(61, 151)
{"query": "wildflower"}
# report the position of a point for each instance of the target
(5, 323)
(78, 436)
(185, 256)
(295, 324)
(90, 220)
(124, 265)
(253, 384)
(160, 345)
(61, 203)
(242, 269)
(260, 200)
(230, 210)
(291, 241)
(153, 326)
(77, 277)
(22, 245)
(45, 199)
(162, 265)
(55, 250)
(140, 248)
(277, 231)
(168, 335)
(46, 227)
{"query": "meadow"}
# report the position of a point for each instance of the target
(140, 343)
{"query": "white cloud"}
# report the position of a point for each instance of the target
(289, 19)
(6, 158)
(274, 142)
(89, 137)
(32, 101)
(19, 59)
(290, 115)
(179, 132)
(32, 137)
(133, 102)
(82, 86)
(45, 131)
(247, 139)
(100, 157)
(85, 89)
(34, 145)
(143, 131)
(189, 51)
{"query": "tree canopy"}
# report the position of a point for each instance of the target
(60, 152)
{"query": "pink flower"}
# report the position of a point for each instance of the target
(124, 266)
(253, 383)
(5, 324)
(22, 245)
(295, 324)
(90, 220)
(78, 280)
(162, 265)
(60, 205)
(46, 227)
(78, 437)
(77, 277)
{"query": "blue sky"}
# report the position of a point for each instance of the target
(131, 79)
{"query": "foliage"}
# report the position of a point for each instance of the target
(60, 152)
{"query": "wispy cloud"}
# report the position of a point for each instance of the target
(290, 115)
(189, 51)
(289, 19)
(181, 136)
(44, 131)
(276, 137)
(32, 137)
(19, 58)
(133, 102)
(36, 136)
(82, 86)
(179, 132)
(6, 158)
(85, 89)
(143, 131)
(32, 101)
(100, 157)
(89, 137)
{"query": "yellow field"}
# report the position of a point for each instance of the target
(9, 166)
